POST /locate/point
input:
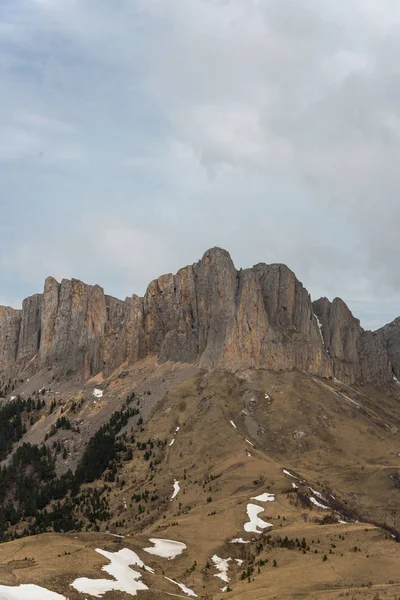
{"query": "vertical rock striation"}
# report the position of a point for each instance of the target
(357, 355)
(389, 337)
(208, 313)
(10, 325)
(30, 330)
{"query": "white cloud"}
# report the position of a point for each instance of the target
(42, 123)
(264, 126)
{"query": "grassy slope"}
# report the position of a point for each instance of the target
(309, 426)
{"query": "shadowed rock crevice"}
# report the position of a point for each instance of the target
(357, 355)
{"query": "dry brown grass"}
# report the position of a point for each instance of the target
(308, 426)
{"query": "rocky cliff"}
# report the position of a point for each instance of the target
(356, 355)
(208, 313)
(389, 337)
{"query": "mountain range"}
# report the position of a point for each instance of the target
(223, 436)
(208, 313)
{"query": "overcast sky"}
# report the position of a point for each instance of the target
(135, 134)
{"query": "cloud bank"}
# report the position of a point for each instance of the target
(137, 134)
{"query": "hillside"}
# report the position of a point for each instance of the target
(262, 473)
(330, 439)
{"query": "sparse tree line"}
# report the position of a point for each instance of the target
(14, 417)
(32, 495)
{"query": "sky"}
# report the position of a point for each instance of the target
(136, 134)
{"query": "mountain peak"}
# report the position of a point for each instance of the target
(208, 313)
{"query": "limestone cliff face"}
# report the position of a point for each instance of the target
(255, 318)
(124, 334)
(10, 325)
(357, 355)
(29, 335)
(389, 337)
(73, 321)
(208, 313)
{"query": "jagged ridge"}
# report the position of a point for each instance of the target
(208, 313)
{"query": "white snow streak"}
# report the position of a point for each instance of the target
(28, 592)
(315, 501)
(233, 424)
(320, 328)
(176, 489)
(97, 393)
(264, 497)
(318, 494)
(289, 473)
(222, 565)
(183, 587)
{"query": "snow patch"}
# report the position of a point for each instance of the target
(183, 587)
(264, 497)
(320, 328)
(290, 474)
(294, 486)
(315, 501)
(28, 592)
(125, 579)
(248, 441)
(222, 565)
(176, 489)
(248, 454)
(12, 398)
(166, 548)
(255, 524)
(318, 494)
(171, 442)
(177, 429)
(239, 561)
(97, 393)
(239, 541)
(233, 424)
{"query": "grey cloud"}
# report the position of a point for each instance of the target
(146, 132)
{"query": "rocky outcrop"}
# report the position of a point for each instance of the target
(10, 325)
(389, 337)
(29, 335)
(357, 355)
(73, 321)
(254, 318)
(208, 313)
(124, 332)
